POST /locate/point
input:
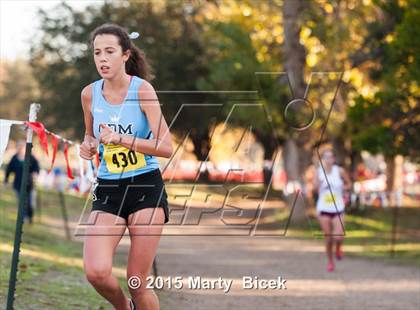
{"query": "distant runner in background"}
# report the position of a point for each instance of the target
(331, 183)
(16, 166)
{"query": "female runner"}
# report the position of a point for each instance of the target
(330, 204)
(123, 117)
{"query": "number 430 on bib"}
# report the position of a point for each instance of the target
(119, 159)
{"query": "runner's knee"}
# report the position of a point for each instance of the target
(97, 274)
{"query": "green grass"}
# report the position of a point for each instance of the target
(368, 233)
(50, 274)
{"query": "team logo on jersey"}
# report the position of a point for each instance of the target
(121, 129)
(97, 110)
(114, 118)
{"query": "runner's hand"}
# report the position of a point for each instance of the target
(88, 148)
(108, 136)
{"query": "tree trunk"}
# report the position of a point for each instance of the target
(294, 55)
(201, 142)
(390, 173)
(270, 145)
(340, 151)
(291, 161)
(394, 177)
(268, 166)
(355, 160)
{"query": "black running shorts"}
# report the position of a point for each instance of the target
(122, 197)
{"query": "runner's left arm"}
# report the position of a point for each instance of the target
(346, 178)
(161, 144)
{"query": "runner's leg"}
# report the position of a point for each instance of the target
(144, 243)
(325, 222)
(101, 239)
(338, 233)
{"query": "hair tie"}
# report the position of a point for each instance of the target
(134, 35)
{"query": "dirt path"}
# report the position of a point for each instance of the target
(357, 283)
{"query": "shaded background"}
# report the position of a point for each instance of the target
(358, 62)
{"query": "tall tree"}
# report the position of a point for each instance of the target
(243, 41)
(387, 122)
(294, 154)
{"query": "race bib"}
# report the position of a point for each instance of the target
(329, 198)
(119, 159)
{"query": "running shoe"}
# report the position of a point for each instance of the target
(330, 267)
(132, 305)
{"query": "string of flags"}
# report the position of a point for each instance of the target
(43, 135)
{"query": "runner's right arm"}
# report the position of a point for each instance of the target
(89, 146)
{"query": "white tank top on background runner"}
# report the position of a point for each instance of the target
(327, 197)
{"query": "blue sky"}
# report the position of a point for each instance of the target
(18, 23)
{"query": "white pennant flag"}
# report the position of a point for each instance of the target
(5, 125)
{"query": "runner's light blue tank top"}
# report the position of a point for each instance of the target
(127, 118)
